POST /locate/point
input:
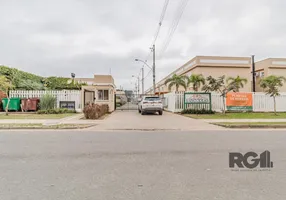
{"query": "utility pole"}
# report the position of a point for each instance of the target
(138, 86)
(143, 79)
(253, 73)
(154, 76)
(135, 87)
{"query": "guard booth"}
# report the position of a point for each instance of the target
(100, 90)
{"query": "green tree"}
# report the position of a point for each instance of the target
(196, 80)
(237, 82)
(218, 85)
(176, 81)
(29, 85)
(6, 85)
(271, 86)
(21, 78)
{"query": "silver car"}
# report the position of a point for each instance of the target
(150, 104)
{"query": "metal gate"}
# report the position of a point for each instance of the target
(127, 101)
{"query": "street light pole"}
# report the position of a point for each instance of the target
(143, 79)
(154, 76)
(145, 63)
(138, 86)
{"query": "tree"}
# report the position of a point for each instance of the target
(176, 81)
(237, 82)
(6, 85)
(196, 80)
(271, 86)
(218, 85)
(29, 85)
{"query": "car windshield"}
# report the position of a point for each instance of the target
(152, 98)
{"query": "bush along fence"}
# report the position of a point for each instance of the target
(62, 97)
(240, 101)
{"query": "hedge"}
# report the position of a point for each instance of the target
(197, 111)
(95, 111)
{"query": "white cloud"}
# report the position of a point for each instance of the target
(94, 36)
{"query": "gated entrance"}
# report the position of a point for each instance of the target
(127, 101)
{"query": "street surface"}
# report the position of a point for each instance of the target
(159, 165)
(128, 106)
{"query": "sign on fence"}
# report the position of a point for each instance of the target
(203, 99)
(239, 101)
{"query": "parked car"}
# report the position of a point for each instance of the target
(150, 104)
(119, 101)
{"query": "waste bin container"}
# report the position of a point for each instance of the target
(30, 104)
(1, 105)
(13, 105)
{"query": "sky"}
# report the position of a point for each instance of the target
(86, 37)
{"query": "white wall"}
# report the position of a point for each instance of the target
(174, 102)
(61, 95)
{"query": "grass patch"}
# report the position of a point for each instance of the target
(239, 116)
(42, 126)
(252, 124)
(35, 116)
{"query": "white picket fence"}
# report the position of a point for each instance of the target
(61, 95)
(174, 102)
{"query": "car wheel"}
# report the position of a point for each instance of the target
(142, 113)
(161, 112)
(139, 111)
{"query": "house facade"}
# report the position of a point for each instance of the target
(216, 66)
(267, 67)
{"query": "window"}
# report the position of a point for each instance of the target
(152, 99)
(103, 95)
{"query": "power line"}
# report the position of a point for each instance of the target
(160, 21)
(177, 18)
(148, 73)
(165, 6)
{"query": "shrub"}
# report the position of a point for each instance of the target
(95, 111)
(56, 111)
(197, 111)
(47, 102)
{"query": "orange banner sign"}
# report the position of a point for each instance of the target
(239, 101)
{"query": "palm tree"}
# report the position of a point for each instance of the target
(197, 80)
(177, 81)
(237, 82)
(218, 85)
(271, 85)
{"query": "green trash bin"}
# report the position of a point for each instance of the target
(13, 105)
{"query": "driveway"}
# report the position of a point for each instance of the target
(132, 120)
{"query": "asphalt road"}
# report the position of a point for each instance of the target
(50, 165)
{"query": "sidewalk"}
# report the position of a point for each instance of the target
(242, 120)
(67, 120)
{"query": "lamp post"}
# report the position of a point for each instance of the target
(73, 76)
(145, 63)
(137, 88)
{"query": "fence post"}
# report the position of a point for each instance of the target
(253, 102)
